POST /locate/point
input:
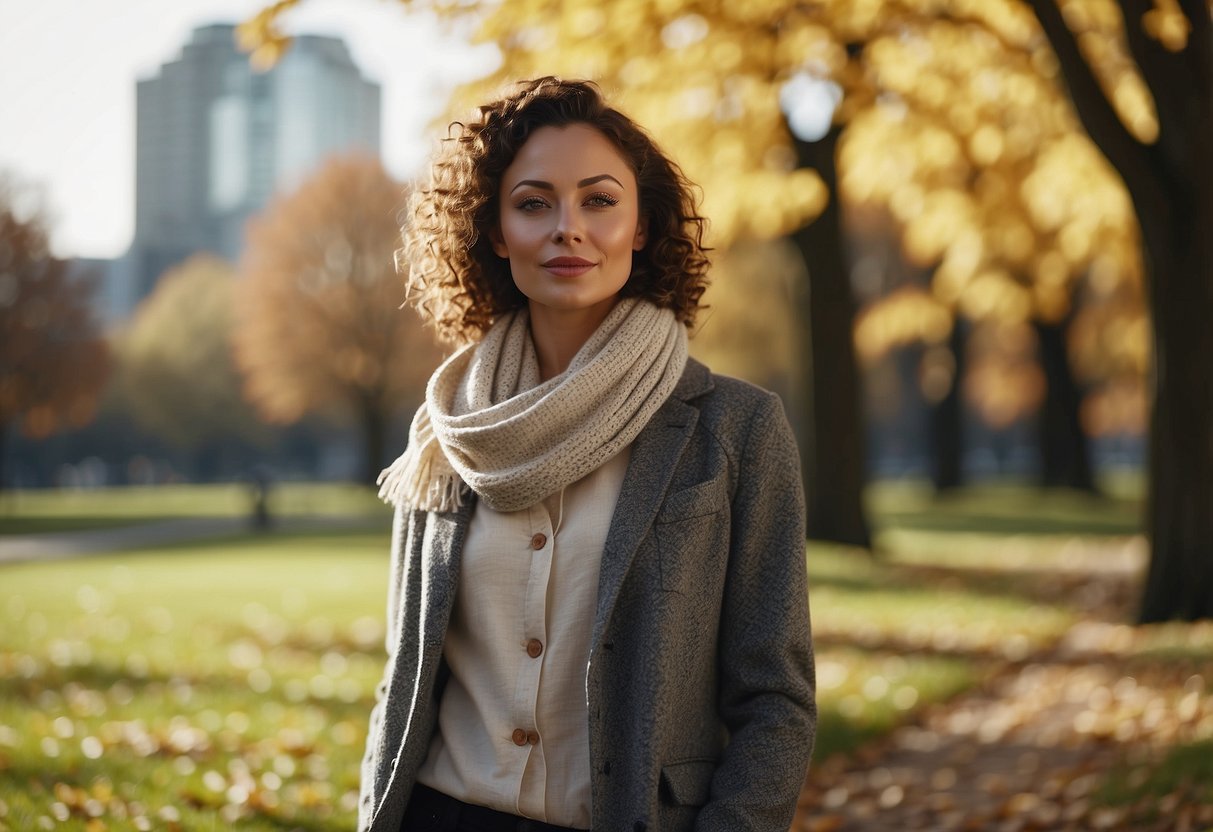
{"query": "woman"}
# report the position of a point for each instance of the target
(597, 615)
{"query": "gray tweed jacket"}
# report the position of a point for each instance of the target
(700, 676)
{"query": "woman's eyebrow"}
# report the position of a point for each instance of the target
(593, 179)
(548, 186)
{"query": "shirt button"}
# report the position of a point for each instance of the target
(534, 647)
(519, 737)
(539, 541)
(532, 737)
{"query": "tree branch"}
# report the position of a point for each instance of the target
(1200, 42)
(1094, 110)
(1167, 77)
(1195, 11)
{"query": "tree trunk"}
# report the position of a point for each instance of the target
(374, 429)
(1179, 582)
(1065, 458)
(832, 454)
(947, 421)
(1171, 184)
(3, 452)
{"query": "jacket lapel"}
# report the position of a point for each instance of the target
(655, 454)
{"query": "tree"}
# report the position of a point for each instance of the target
(319, 324)
(1163, 158)
(177, 373)
(53, 360)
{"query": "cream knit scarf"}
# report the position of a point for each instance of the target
(488, 424)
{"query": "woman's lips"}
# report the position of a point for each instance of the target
(568, 266)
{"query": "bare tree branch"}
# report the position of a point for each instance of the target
(1103, 125)
(1200, 43)
(1167, 75)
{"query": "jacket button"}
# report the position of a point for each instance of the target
(519, 737)
(534, 647)
(539, 541)
(532, 737)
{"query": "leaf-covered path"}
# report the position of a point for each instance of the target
(1111, 728)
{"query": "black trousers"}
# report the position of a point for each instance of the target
(433, 811)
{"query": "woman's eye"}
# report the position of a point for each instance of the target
(602, 200)
(531, 203)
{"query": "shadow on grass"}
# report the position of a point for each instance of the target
(93, 676)
(1110, 594)
(21, 526)
(837, 735)
(1185, 766)
(272, 538)
(939, 520)
(101, 676)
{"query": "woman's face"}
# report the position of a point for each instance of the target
(569, 220)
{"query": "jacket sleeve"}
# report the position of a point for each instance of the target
(765, 650)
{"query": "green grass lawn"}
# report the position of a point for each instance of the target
(34, 512)
(212, 686)
(226, 685)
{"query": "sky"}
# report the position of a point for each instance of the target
(67, 92)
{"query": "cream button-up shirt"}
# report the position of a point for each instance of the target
(513, 724)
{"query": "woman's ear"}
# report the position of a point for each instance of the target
(498, 241)
(642, 234)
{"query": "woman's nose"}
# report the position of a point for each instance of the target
(568, 227)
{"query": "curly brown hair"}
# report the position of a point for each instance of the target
(459, 283)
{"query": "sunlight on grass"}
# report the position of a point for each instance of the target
(201, 687)
(859, 600)
(862, 694)
(888, 646)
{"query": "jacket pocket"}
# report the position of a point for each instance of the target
(688, 532)
(697, 501)
(687, 782)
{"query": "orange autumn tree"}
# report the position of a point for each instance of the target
(53, 359)
(319, 324)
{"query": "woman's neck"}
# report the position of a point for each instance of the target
(559, 333)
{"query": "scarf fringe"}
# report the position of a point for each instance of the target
(410, 482)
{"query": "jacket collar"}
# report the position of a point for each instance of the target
(696, 380)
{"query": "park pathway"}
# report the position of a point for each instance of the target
(61, 545)
(1030, 749)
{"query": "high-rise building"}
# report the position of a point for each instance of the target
(216, 138)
